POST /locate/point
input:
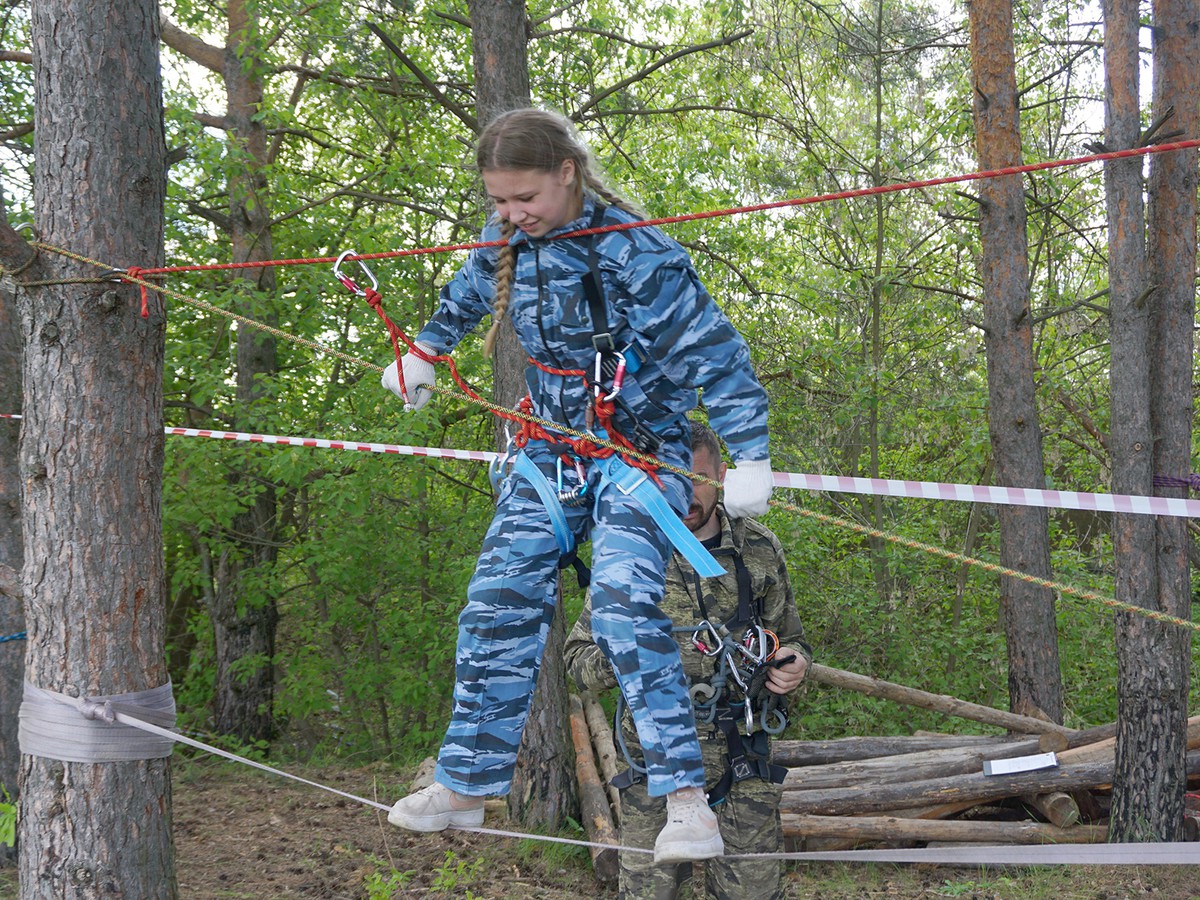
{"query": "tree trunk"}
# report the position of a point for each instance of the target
(244, 614)
(12, 618)
(544, 791)
(91, 447)
(1027, 611)
(1154, 659)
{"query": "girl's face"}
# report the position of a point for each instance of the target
(536, 202)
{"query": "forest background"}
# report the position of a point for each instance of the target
(313, 593)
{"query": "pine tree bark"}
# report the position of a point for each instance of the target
(1154, 659)
(91, 446)
(544, 791)
(12, 616)
(1027, 610)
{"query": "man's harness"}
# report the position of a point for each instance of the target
(744, 662)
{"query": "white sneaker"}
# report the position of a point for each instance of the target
(691, 831)
(436, 808)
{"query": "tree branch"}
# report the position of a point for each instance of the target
(554, 13)
(19, 56)
(658, 64)
(210, 121)
(198, 51)
(19, 132)
(449, 105)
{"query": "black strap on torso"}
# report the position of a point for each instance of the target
(749, 608)
(593, 292)
(641, 436)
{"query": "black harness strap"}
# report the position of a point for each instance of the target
(747, 758)
(593, 292)
(642, 437)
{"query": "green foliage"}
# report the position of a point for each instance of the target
(8, 818)
(555, 855)
(386, 882)
(455, 874)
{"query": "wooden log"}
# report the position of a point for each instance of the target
(940, 811)
(593, 802)
(815, 753)
(1058, 808)
(951, 706)
(605, 747)
(977, 787)
(1091, 735)
(891, 828)
(1105, 750)
(906, 766)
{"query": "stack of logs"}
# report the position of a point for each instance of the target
(900, 791)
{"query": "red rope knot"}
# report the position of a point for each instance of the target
(138, 272)
(374, 300)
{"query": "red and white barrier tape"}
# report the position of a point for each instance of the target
(886, 487)
(979, 493)
(321, 443)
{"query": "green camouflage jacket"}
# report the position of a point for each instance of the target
(764, 559)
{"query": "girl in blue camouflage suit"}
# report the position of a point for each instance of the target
(540, 178)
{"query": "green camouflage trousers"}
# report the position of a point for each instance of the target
(749, 820)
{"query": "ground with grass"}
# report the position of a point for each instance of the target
(245, 835)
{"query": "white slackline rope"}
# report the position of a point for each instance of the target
(1164, 854)
(1022, 855)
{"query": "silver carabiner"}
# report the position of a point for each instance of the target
(349, 283)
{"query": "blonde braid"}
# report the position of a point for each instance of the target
(505, 263)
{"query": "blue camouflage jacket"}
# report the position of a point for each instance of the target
(654, 299)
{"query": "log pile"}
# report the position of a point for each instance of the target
(907, 790)
(934, 788)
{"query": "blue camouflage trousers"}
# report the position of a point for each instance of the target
(510, 604)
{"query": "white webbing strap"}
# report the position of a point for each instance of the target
(1167, 854)
(90, 730)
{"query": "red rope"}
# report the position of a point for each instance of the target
(138, 272)
(375, 301)
(583, 448)
(716, 213)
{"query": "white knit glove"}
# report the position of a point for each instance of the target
(748, 488)
(417, 372)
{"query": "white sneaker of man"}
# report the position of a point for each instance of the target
(691, 831)
(436, 808)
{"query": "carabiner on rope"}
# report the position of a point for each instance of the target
(618, 374)
(499, 466)
(349, 283)
(707, 639)
(572, 496)
(618, 377)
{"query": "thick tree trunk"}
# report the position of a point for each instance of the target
(544, 791)
(244, 614)
(12, 617)
(91, 449)
(1034, 679)
(1154, 659)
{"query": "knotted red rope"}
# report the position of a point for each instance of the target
(605, 410)
(140, 273)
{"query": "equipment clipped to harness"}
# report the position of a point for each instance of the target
(612, 364)
(576, 496)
